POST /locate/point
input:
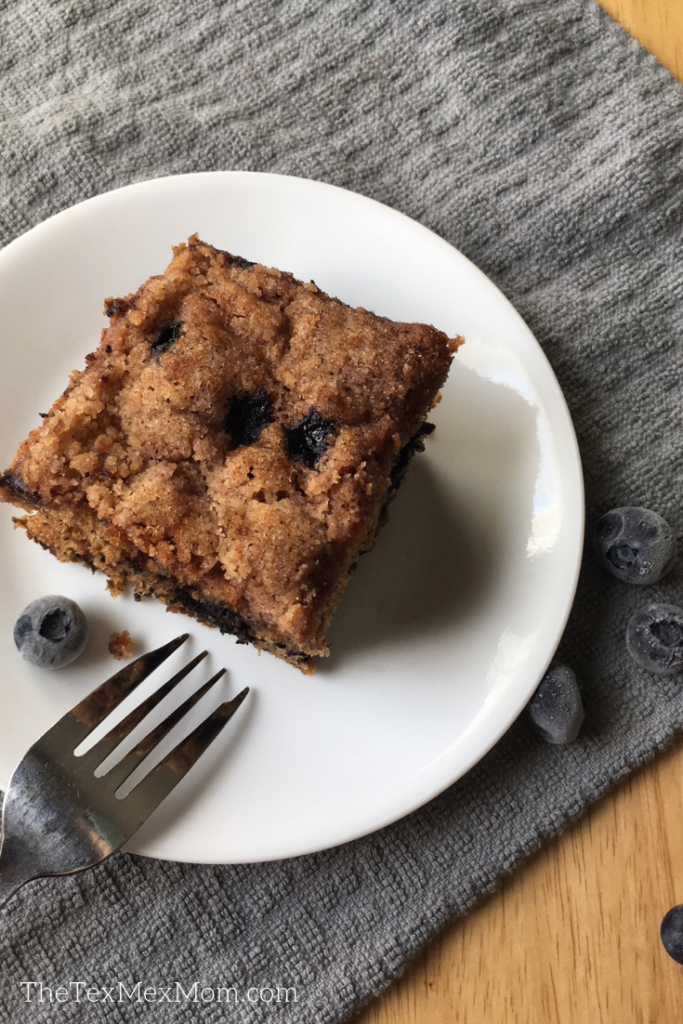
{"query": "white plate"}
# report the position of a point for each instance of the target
(447, 625)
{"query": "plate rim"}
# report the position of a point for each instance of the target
(574, 496)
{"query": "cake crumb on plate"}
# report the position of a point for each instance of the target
(121, 644)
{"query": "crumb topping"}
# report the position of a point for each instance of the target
(237, 429)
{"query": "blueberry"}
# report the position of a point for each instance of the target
(166, 337)
(51, 632)
(247, 416)
(556, 708)
(654, 639)
(672, 933)
(635, 545)
(307, 440)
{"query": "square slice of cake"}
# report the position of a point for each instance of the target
(231, 446)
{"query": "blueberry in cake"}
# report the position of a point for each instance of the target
(231, 446)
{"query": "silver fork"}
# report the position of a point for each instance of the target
(58, 817)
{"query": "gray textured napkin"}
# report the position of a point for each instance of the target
(545, 144)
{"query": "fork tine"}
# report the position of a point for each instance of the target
(120, 771)
(163, 778)
(110, 742)
(73, 727)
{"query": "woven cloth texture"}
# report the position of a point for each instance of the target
(544, 143)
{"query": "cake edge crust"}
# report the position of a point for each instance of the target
(181, 598)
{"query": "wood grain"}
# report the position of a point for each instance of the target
(572, 937)
(657, 24)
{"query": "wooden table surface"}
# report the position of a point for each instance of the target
(572, 936)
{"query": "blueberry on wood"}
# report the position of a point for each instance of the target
(671, 933)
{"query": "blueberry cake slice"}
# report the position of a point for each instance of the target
(231, 446)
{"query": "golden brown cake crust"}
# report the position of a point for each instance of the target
(229, 446)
